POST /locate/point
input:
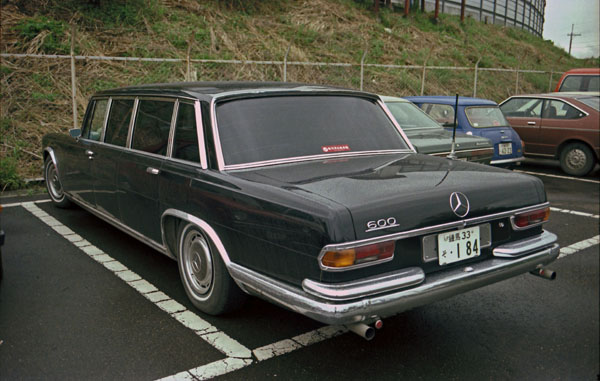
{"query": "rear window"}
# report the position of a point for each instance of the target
(485, 117)
(271, 128)
(410, 116)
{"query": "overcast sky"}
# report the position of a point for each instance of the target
(560, 14)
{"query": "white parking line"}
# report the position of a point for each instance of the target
(558, 177)
(578, 246)
(238, 356)
(582, 214)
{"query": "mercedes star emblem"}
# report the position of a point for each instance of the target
(459, 204)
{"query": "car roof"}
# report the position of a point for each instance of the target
(562, 94)
(210, 90)
(585, 70)
(451, 100)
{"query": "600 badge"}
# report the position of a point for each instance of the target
(383, 223)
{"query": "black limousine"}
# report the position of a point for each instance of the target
(308, 196)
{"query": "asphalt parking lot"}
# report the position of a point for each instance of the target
(81, 300)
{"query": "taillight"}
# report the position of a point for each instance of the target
(359, 255)
(527, 219)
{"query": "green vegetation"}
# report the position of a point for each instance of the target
(36, 93)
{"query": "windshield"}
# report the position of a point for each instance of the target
(485, 116)
(410, 116)
(278, 127)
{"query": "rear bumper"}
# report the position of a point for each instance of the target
(508, 261)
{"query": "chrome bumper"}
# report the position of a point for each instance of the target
(508, 261)
(508, 161)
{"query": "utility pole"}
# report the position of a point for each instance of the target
(572, 35)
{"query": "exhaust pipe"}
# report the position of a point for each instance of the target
(544, 273)
(362, 330)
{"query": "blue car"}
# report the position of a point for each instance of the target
(479, 117)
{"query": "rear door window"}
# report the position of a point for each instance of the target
(117, 126)
(152, 126)
(185, 142)
(555, 109)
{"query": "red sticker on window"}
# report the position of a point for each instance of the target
(336, 148)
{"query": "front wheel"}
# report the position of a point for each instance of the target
(203, 273)
(577, 159)
(53, 185)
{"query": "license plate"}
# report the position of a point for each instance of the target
(505, 149)
(458, 245)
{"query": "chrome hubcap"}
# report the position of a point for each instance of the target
(197, 262)
(576, 159)
(53, 182)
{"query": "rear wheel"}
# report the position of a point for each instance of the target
(203, 273)
(577, 159)
(53, 185)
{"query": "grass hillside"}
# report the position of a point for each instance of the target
(36, 93)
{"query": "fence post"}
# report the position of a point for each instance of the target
(285, 63)
(424, 66)
(550, 82)
(73, 78)
(517, 83)
(475, 79)
(362, 68)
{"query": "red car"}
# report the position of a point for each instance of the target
(584, 79)
(565, 126)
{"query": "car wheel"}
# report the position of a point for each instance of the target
(203, 273)
(577, 159)
(53, 185)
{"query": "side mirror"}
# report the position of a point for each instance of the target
(75, 132)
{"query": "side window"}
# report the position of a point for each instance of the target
(594, 83)
(117, 126)
(522, 107)
(152, 125)
(95, 121)
(185, 143)
(443, 114)
(572, 83)
(559, 110)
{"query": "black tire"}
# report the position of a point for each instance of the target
(204, 275)
(577, 159)
(53, 185)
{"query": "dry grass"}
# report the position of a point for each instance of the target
(36, 93)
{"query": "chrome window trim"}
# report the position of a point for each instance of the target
(290, 160)
(107, 112)
(427, 230)
(396, 124)
(136, 102)
(223, 167)
(174, 115)
(545, 97)
(200, 134)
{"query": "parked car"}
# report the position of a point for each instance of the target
(278, 190)
(564, 126)
(479, 117)
(583, 79)
(429, 137)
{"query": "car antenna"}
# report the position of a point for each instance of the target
(452, 154)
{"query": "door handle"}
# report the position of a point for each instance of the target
(531, 123)
(90, 154)
(152, 171)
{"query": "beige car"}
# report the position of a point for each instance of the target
(564, 126)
